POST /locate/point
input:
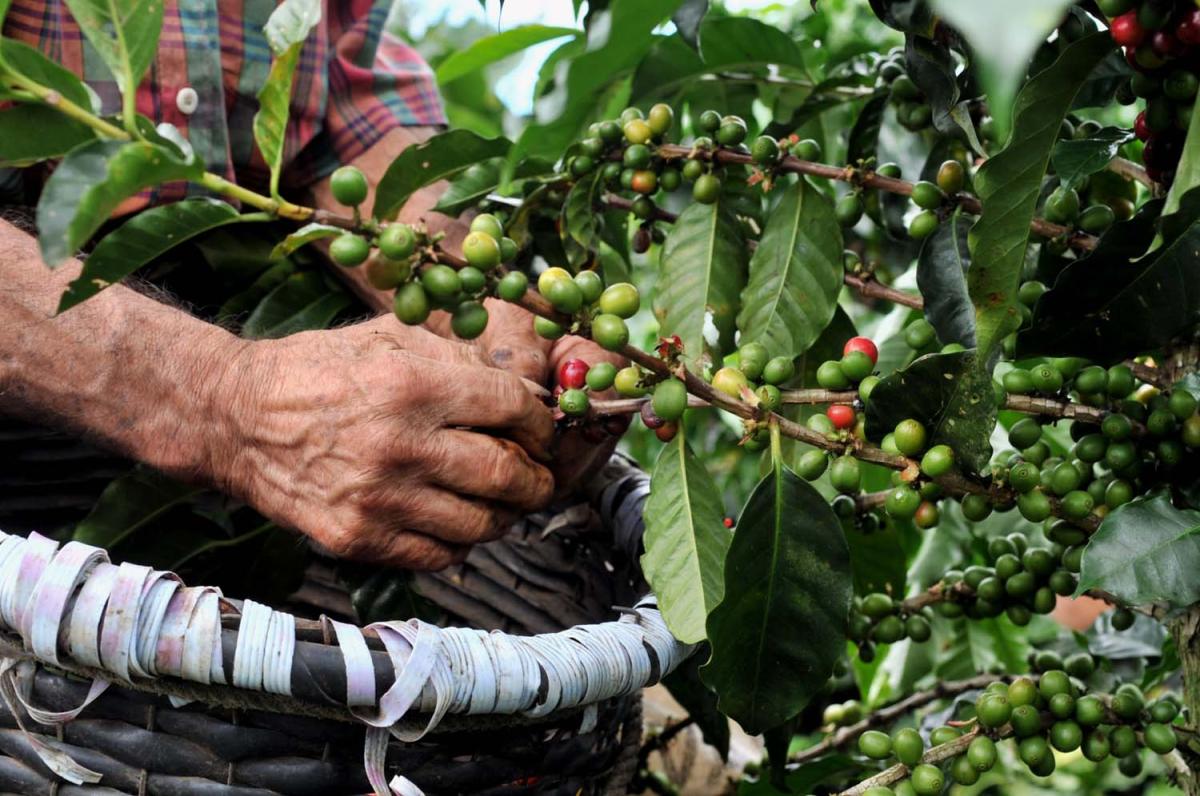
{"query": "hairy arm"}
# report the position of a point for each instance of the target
(122, 369)
(349, 435)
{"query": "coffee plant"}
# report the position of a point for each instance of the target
(1019, 425)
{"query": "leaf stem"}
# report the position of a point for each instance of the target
(69, 109)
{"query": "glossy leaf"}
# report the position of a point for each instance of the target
(733, 41)
(130, 503)
(904, 15)
(950, 394)
(864, 135)
(302, 237)
(932, 67)
(1076, 159)
(123, 32)
(686, 540)
(1106, 307)
(18, 57)
(303, 302)
(942, 279)
(439, 157)
(579, 217)
(788, 568)
(1187, 173)
(618, 37)
(1003, 38)
(286, 30)
(795, 274)
(490, 49)
(701, 271)
(687, 19)
(89, 184)
(32, 133)
(1146, 551)
(1008, 185)
(143, 238)
(1101, 85)
(877, 560)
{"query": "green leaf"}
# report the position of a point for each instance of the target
(1003, 39)
(143, 238)
(19, 57)
(436, 159)
(304, 236)
(950, 394)
(942, 279)
(303, 302)
(490, 49)
(1008, 185)
(702, 270)
(291, 23)
(686, 540)
(727, 42)
(1076, 159)
(124, 34)
(782, 624)
(618, 37)
(1146, 551)
(579, 216)
(864, 135)
(471, 186)
(795, 274)
(1187, 173)
(242, 303)
(33, 133)
(904, 15)
(89, 184)
(933, 68)
(129, 503)
(877, 560)
(1111, 305)
(286, 30)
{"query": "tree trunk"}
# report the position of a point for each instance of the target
(1186, 632)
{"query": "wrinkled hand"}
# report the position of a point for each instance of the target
(384, 443)
(513, 345)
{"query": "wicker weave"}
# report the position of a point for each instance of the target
(552, 571)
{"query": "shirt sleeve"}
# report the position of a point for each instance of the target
(375, 82)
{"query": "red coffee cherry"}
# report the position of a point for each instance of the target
(863, 344)
(572, 374)
(841, 415)
(1126, 30)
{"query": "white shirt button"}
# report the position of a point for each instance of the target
(187, 100)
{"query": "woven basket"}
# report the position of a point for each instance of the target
(573, 727)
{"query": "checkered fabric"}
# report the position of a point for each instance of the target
(355, 82)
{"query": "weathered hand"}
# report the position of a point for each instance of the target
(383, 443)
(512, 344)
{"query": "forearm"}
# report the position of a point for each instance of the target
(122, 369)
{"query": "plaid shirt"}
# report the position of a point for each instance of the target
(354, 83)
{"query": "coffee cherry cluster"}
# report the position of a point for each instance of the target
(1143, 436)
(407, 264)
(876, 618)
(1020, 580)
(912, 107)
(1052, 713)
(576, 378)
(585, 298)
(1161, 39)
